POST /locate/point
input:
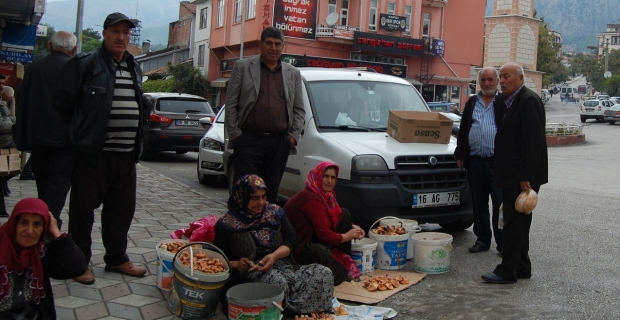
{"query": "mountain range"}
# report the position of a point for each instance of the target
(577, 20)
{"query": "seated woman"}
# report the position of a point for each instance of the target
(257, 232)
(27, 262)
(320, 224)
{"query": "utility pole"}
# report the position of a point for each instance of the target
(78, 25)
(606, 54)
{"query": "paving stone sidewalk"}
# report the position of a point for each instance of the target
(162, 206)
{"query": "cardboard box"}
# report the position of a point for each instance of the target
(5, 152)
(419, 127)
(4, 165)
(13, 151)
(355, 291)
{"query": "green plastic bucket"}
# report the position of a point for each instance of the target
(256, 301)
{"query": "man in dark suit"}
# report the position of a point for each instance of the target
(520, 165)
(264, 112)
(474, 152)
(39, 127)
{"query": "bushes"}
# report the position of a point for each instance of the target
(159, 85)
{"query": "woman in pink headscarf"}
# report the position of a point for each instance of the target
(27, 262)
(324, 230)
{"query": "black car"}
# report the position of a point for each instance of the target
(174, 123)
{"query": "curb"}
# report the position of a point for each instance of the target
(554, 141)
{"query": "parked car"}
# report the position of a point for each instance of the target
(379, 176)
(602, 97)
(594, 109)
(456, 122)
(612, 115)
(209, 166)
(544, 95)
(174, 123)
(441, 106)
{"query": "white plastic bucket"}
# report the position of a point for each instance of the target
(165, 268)
(410, 225)
(432, 252)
(364, 254)
(391, 250)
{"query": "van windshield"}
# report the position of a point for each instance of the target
(361, 103)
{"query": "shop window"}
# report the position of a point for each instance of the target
(362, 57)
(392, 60)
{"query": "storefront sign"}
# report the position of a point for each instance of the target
(16, 56)
(41, 30)
(388, 44)
(267, 8)
(8, 69)
(296, 18)
(18, 36)
(438, 47)
(321, 62)
(344, 32)
(392, 22)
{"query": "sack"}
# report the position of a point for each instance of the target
(346, 261)
(201, 230)
(10, 162)
(526, 201)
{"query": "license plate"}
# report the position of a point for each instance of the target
(589, 110)
(437, 199)
(189, 123)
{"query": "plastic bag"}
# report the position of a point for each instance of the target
(201, 230)
(526, 201)
(346, 261)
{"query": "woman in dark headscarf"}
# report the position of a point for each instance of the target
(27, 262)
(257, 232)
(323, 228)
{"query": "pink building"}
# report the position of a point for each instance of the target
(431, 43)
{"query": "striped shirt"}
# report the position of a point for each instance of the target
(124, 115)
(510, 99)
(483, 129)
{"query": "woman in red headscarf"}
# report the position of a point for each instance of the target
(324, 230)
(27, 262)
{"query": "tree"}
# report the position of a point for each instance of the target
(91, 40)
(159, 85)
(612, 85)
(548, 59)
(189, 79)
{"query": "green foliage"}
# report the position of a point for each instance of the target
(592, 68)
(91, 40)
(548, 60)
(40, 45)
(189, 80)
(159, 85)
(612, 85)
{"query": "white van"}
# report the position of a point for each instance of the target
(379, 176)
(573, 94)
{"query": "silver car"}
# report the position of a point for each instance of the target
(209, 166)
(612, 115)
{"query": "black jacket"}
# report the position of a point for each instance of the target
(84, 96)
(37, 121)
(462, 150)
(520, 143)
(63, 260)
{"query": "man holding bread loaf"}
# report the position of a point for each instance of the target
(520, 164)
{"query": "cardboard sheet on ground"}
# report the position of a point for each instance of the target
(354, 291)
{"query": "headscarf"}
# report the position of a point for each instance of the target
(14, 258)
(264, 226)
(314, 182)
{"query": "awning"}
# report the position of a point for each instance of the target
(219, 83)
(414, 82)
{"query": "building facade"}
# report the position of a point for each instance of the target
(202, 27)
(431, 43)
(608, 40)
(512, 36)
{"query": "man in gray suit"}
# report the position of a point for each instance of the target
(264, 112)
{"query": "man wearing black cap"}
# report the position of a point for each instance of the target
(100, 96)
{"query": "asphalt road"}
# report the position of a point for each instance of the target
(575, 243)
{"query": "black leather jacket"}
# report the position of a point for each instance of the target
(84, 95)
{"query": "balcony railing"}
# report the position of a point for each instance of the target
(324, 31)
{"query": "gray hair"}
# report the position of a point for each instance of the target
(518, 69)
(488, 68)
(63, 40)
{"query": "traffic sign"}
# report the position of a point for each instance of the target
(607, 74)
